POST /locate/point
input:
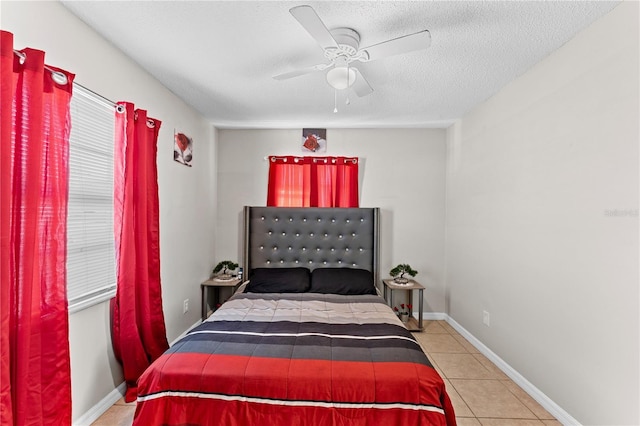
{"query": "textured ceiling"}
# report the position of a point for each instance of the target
(220, 57)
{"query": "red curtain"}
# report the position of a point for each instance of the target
(35, 376)
(313, 182)
(138, 329)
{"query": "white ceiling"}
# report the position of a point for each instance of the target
(220, 56)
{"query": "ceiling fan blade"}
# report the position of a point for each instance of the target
(311, 22)
(301, 71)
(361, 85)
(408, 43)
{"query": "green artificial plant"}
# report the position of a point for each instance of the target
(399, 271)
(225, 266)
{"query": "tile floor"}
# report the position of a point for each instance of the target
(480, 392)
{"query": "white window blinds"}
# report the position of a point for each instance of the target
(91, 266)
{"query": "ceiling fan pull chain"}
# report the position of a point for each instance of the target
(335, 100)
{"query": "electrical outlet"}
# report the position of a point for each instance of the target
(486, 320)
(185, 306)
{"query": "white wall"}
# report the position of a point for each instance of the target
(187, 195)
(534, 176)
(402, 172)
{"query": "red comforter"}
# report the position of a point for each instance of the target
(295, 359)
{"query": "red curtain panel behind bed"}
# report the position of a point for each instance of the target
(35, 382)
(313, 182)
(138, 328)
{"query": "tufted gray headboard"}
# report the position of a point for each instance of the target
(311, 237)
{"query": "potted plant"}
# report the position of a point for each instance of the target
(225, 266)
(398, 273)
(403, 313)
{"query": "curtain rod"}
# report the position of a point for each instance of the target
(298, 158)
(61, 78)
(102, 98)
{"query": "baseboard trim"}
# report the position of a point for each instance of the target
(433, 316)
(101, 407)
(547, 403)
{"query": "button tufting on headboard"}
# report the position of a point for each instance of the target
(335, 237)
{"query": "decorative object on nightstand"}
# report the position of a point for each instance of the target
(225, 266)
(389, 286)
(398, 273)
(403, 312)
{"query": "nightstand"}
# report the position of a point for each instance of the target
(216, 285)
(390, 286)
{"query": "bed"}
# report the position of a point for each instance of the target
(306, 341)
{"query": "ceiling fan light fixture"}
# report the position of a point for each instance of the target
(341, 77)
(342, 47)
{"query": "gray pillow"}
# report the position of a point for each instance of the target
(342, 281)
(279, 280)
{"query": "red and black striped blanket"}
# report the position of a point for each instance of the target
(295, 359)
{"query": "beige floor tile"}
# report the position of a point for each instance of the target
(461, 366)
(448, 327)
(510, 422)
(486, 363)
(434, 327)
(117, 415)
(465, 344)
(459, 406)
(527, 400)
(553, 422)
(467, 421)
(440, 343)
(491, 399)
(452, 331)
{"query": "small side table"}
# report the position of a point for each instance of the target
(390, 286)
(216, 285)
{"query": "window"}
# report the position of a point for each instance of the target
(91, 265)
(313, 182)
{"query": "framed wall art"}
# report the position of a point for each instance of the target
(182, 148)
(314, 140)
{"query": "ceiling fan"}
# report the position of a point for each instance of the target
(342, 47)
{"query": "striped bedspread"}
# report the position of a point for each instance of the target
(295, 359)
